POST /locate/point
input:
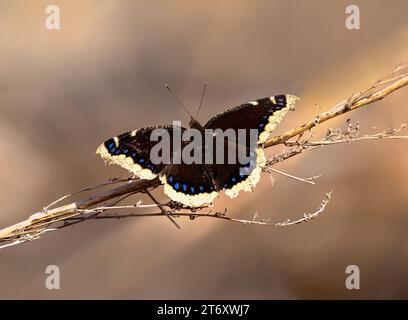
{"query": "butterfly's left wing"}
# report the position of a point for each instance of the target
(262, 115)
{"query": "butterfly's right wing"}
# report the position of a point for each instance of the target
(132, 151)
(190, 184)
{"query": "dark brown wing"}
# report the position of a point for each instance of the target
(262, 115)
(191, 185)
(132, 151)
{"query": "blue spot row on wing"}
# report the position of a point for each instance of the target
(280, 103)
(137, 158)
(188, 188)
(265, 119)
(280, 100)
(193, 189)
(237, 178)
(110, 145)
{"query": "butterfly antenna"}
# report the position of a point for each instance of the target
(178, 100)
(202, 99)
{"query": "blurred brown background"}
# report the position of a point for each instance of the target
(64, 92)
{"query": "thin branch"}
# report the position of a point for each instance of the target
(386, 134)
(86, 189)
(219, 215)
(377, 90)
(308, 216)
(305, 180)
(333, 137)
(161, 207)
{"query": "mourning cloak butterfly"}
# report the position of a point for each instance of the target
(196, 184)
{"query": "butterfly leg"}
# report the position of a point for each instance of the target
(162, 209)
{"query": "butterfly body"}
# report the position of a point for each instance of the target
(194, 184)
(194, 124)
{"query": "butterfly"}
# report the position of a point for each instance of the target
(198, 183)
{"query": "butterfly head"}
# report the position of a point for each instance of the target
(193, 123)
